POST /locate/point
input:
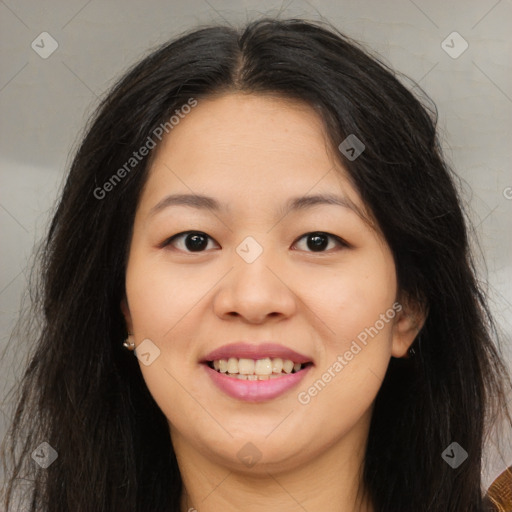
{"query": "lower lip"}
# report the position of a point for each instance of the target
(255, 390)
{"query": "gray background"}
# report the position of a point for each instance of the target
(44, 104)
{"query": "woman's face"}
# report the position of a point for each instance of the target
(252, 285)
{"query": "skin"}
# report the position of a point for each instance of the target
(252, 153)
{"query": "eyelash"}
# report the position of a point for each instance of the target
(339, 240)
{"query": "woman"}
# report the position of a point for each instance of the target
(266, 218)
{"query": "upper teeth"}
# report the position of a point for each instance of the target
(266, 366)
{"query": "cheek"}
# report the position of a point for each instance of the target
(160, 294)
(351, 369)
(353, 296)
(355, 357)
(161, 301)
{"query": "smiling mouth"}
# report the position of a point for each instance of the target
(256, 369)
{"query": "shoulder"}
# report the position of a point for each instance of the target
(499, 494)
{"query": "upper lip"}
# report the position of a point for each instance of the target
(255, 351)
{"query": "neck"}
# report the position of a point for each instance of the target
(331, 477)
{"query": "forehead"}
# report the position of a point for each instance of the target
(260, 124)
(248, 146)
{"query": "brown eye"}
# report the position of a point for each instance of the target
(189, 241)
(317, 241)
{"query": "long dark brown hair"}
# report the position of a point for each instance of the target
(84, 394)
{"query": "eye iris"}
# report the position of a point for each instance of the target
(195, 242)
(317, 241)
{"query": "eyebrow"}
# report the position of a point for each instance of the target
(203, 202)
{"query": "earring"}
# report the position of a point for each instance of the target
(129, 343)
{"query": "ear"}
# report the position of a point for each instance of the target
(409, 320)
(127, 316)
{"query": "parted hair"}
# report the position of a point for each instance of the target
(84, 394)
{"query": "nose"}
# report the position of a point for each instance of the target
(255, 292)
